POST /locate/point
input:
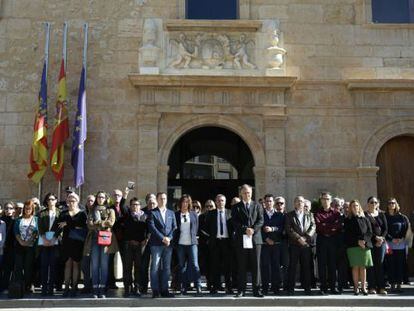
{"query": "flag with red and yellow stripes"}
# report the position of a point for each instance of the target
(61, 128)
(38, 150)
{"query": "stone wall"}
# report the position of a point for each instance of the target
(328, 122)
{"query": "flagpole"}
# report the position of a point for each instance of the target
(65, 32)
(46, 61)
(84, 63)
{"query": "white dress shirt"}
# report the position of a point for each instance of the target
(222, 214)
(163, 212)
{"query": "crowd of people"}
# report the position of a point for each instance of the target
(339, 245)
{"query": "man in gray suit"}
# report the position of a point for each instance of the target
(247, 220)
(300, 227)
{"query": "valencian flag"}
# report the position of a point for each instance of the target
(61, 129)
(38, 151)
(79, 134)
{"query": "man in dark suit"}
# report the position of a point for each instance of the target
(247, 220)
(272, 234)
(161, 224)
(219, 229)
(300, 228)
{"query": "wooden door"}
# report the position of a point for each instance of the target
(396, 178)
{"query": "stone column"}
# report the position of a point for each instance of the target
(367, 182)
(275, 150)
(148, 153)
(259, 179)
(163, 178)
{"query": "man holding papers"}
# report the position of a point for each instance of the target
(247, 219)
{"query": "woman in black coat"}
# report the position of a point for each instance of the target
(358, 234)
(376, 282)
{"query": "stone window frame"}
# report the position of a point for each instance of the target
(365, 10)
(244, 9)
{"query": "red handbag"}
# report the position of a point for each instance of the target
(104, 238)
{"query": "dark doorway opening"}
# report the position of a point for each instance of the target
(207, 161)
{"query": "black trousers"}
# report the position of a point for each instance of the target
(7, 268)
(326, 252)
(302, 255)
(132, 261)
(145, 263)
(245, 258)
(270, 266)
(220, 257)
(24, 263)
(48, 260)
(375, 274)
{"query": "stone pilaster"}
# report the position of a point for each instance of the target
(275, 150)
(147, 151)
(367, 181)
(163, 178)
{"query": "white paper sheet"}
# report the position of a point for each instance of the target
(247, 241)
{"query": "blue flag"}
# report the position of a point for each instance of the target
(79, 135)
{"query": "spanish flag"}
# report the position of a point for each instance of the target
(61, 128)
(38, 151)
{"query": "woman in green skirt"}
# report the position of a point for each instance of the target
(358, 233)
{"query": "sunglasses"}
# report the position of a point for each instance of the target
(392, 202)
(373, 202)
(52, 199)
(279, 203)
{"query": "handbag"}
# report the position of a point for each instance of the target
(78, 234)
(104, 238)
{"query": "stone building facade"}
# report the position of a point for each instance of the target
(313, 88)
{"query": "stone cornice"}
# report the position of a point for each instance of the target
(139, 80)
(343, 172)
(212, 25)
(380, 84)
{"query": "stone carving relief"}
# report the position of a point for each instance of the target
(210, 51)
(186, 47)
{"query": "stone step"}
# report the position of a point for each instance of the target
(346, 300)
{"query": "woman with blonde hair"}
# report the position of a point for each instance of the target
(358, 234)
(397, 229)
(73, 225)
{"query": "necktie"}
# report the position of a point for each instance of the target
(247, 206)
(221, 223)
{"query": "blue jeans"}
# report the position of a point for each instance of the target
(100, 263)
(160, 256)
(188, 259)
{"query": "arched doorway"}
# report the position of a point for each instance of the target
(209, 160)
(396, 177)
(396, 172)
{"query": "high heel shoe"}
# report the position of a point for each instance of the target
(356, 292)
(364, 292)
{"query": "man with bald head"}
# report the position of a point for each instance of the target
(300, 228)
